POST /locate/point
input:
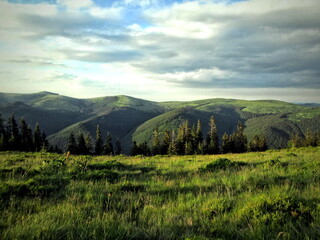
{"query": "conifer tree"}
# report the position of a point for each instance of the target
(199, 136)
(2, 131)
(72, 144)
(88, 143)
(257, 144)
(26, 136)
(226, 143)
(200, 148)
(14, 136)
(37, 138)
(118, 149)
(82, 146)
(166, 142)
(44, 141)
(172, 150)
(156, 147)
(188, 148)
(295, 141)
(99, 142)
(239, 139)
(144, 148)
(212, 140)
(134, 149)
(310, 139)
(263, 146)
(3, 136)
(108, 147)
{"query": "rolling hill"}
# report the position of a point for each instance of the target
(128, 118)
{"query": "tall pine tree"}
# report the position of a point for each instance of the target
(156, 147)
(212, 141)
(72, 144)
(81, 145)
(99, 142)
(108, 146)
(37, 138)
(14, 136)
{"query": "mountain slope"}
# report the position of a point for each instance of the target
(130, 118)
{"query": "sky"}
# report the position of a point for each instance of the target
(162, 50)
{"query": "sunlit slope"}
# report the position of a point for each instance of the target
(130, 118)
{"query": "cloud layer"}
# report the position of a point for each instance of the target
(162, 50)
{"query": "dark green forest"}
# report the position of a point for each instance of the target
(186, 140)
(127, 120)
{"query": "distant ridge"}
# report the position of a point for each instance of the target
(128, 118)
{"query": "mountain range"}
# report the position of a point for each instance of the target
(128, 118)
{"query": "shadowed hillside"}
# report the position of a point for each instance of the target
(128, 118)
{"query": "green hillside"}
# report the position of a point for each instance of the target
(263, 195)
(130, 118)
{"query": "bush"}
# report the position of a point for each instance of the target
(223, 164)
(277, 211)
(109, 175)
(107, 165)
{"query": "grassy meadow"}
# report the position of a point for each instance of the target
(267, 195)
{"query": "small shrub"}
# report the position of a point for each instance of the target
(221, 206)
(276, 162)
(109, 175)
(133, 188)
(224, 164)
(107, 165)
(277, 211)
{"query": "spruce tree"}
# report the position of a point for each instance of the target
(295, 141)
(37, 138)
(254, 144)
(45, 143)
(166, 142)
(108, 147)
(200, 148)
(72, 144)
(26, 136)
(199, 136)
(212, 140)
(156, 147)
(99, 142)
(134, 149)
(310, 139)
(188, 150)
(88, 144)
(118, 149)
(226, 143)
(3, 136)
(172, 150)
(2, 130)
(82, 146)
(240, 140)
(14, 136)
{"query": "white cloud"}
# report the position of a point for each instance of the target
(135, 46)
(200, 75)
(75, 4)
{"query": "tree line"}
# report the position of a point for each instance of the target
(20, 137)
(186, 140)
(310, 139)
(82, 145)
(190, 140)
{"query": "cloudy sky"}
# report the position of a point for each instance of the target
(162, 49)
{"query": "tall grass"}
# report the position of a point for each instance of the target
(269, 195)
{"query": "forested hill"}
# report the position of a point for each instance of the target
(127, 118)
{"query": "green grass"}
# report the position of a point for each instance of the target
(268, 195)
